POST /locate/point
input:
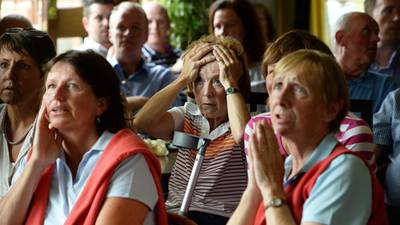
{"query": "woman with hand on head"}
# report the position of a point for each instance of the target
(320, 182)
(23, 53)
(83, 168)
(215, 71)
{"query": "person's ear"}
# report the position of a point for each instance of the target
(102, 105)
(332, 111)
(340, 37)
(85, 23)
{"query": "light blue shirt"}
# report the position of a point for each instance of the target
(146, 81)
(343, 192)
(392, 69)
(132, 179)
(387, 132)
(371, 87)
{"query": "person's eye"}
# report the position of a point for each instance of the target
(99, 18)
(73, 86)
(366, 32)
(199, 80)
(216, 83)
(3, 65)
(50, 86)
(300, 90)
(121, 28)
(136, 28)
(24, 66)
(387, 11)
(277, 85)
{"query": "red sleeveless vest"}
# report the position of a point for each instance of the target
(298, 193)
(86, 209)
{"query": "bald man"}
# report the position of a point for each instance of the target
(14, 20)
(355, 44)
(157, 49)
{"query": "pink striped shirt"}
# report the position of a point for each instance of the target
(354, 134)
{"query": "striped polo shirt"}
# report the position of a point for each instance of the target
(223, 175)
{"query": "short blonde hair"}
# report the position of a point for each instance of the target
(228, 43)
(326, 71)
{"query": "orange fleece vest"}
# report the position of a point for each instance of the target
(86, 209)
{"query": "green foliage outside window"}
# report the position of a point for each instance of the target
(188, 20)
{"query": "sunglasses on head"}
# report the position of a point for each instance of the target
(27, 31)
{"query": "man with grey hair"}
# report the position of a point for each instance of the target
(128, 34)
(95, 20)
(387, 15)
(355, 44)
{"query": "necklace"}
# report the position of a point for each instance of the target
(19, 141)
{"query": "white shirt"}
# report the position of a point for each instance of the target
(92, 45)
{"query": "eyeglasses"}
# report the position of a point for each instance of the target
(31, 32)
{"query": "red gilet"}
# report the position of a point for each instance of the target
(298, 193)
(86, 209)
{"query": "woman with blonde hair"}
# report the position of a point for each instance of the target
(320, 182)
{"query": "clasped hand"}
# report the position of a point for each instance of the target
(265, 164)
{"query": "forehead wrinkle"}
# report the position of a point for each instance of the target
(210, 69)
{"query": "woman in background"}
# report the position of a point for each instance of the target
(238, 19)
(23, 54)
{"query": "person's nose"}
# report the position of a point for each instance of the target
(221, 31)
(208, 89)
(152, 24)
(127, 32)
(283, 96)
(9, 73)
(106, 22)
(375, 38)
(396, 16)
(59, 93)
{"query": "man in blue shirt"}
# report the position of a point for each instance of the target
(355, 45)
(387, 15)
(128, 33)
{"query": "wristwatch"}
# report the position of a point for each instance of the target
(231, 90)
(275, 202)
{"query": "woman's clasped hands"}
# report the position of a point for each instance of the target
(265, 162)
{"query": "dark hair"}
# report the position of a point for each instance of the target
(101, 77)
(253, 42)
(369, 6)
(268, 18)
(37, 44)
(88, 3)
(290, 42)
